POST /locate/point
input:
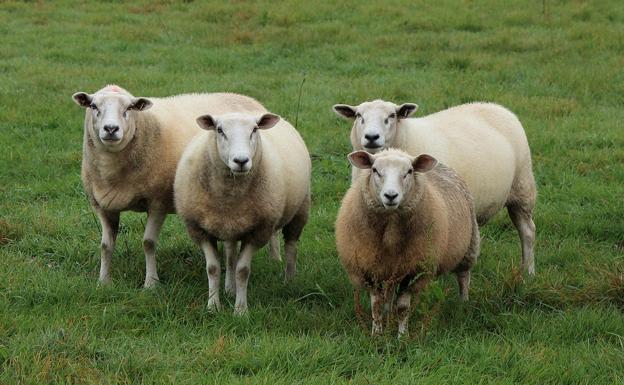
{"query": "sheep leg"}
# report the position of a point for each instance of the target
(243, 270)
(274, 247)
(110, 227)
(155, 220)
(403, 311)
(213, 269)
(463, 280)
(522, 219)
(292, 232)
(231, 256)
(376, 308)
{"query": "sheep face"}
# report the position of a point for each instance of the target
(111, 114)
(392, 174)
(238, 138)
(375, 123)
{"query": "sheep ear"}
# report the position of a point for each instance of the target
(140, 104)
(405, 110)
(82, 99)
(344, 110)
(206, 122)
(424, 163)
(267, 121)
(361, 159)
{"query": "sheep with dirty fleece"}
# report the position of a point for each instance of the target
(484, 142)
(243, 179)
(131, 149)
(404, 221)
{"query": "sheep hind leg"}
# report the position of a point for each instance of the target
(292, 231)
(463, 281)
(520, 206)
(523, 221)
(463, 270)
(274, 247)
(155, 220)
(110, 227)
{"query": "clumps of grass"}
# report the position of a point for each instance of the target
(470, 27)
(458, 63)
(10, 232)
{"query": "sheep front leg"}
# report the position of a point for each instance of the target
(155, 220)
(231, 257)
(377, 310)
(213, 269)
(110, 227)
(243, 269)
(403, 309)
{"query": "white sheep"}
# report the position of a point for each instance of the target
(404, 221)
(243, 179)
(484, 142)
(131, 149)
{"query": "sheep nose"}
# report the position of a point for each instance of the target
(371, 138)
(390, 195)
(241, 160)
(111, 129)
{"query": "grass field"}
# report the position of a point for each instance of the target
(557, 65)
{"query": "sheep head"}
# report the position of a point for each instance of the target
(392, 174)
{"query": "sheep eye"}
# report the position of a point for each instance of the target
(392, 116)
(409, 173)
(375, 171)
(125, 114)
(93, 106)
(255, 129)
(219, 130)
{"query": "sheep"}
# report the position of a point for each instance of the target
(484, 142)
(131, 148)
(402, 222)
(241, 180)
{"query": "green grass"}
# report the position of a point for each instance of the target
(558, 65)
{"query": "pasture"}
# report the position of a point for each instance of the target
(557, 65)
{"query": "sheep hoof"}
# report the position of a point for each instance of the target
(150, 283)
(214, 306)
(230, 288)
(288, 278)
(240, 310)
(104, 281)
(376, 330)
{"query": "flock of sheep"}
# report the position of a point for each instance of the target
(234, 172)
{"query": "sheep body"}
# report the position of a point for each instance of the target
(138, 173)
(434, 231)
(217, 204)
(487, 146)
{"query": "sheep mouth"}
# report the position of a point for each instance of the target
(391, 205)
(239, 171)
(111, 140)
